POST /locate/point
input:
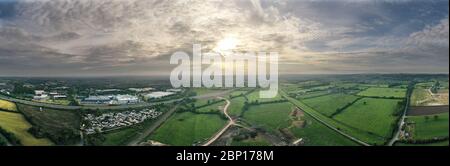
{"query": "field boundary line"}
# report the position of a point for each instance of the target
(328, 125)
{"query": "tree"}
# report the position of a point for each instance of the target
(436, 117)
(426, 118)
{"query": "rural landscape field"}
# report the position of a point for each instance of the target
(332, 110)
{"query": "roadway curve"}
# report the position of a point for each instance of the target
(230, 123)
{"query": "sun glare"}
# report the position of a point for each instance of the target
(225, 45)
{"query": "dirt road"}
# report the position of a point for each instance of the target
(230, 123)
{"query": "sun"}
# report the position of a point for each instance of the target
(226, 45)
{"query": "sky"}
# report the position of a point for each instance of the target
(137, 37)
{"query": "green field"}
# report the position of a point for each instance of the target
(236, 106)
(61, 126)
(430, 128)
(119, 137)
(217, 107)
(6, 105)
(328, 105)
(270, 116)
(16, 124)
(254, 96)
(187, 128)
(372, 115)
(384, 92)
(316, 134)
(204, 91)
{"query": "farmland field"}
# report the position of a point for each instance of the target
(119, 137)
(269, 116)
(371, 115)
(254, 96)
(187, 128)
(427, 110)
(384, 92)
(314, 133)
(6, 105)
(16, 124)
(327, 105)
(429, 127)
(236, 106)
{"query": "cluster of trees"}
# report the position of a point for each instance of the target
(425, 141)
(60, 137)
(10, 136)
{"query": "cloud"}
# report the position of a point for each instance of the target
(100, 35)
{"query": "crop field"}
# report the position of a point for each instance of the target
(187, 128)
(328, 105)
(270, 116)
(372, 115)
(427, 110)
(6, 105)
(16, 124)
(429, 127)
(384, 92)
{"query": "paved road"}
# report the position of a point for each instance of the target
(401, 122)
(325, 123)
(230, 123)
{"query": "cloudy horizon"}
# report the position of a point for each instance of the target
(137, 37)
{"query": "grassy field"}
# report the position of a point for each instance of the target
(430, 128)
(257, 141)
(16, 124)
(217, 107)
(188, 128)
(269, 116)
(203, 91)
(384, 92)
(254, 96)
(236, 105)
(119, 137)
(6, 105)
(328, 105)
(371, 115)
(62, 127)
(316, 134)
